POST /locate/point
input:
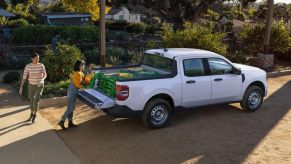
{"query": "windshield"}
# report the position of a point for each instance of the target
(159, 62)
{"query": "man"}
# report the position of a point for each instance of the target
(55, 40)
(36, 74)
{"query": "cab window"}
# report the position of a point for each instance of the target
(219, 66)
(193, 67)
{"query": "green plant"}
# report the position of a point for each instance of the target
(92, 56)
(18, 22)
(11, 77)
(56, 89)
(136, 28)
(43, 34)
(153, 28)
(116, 56)
(116, 25)
(253, 36)
(14, 62)
(59, 63)
(194, 36)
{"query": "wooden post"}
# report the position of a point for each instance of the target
(102, 33)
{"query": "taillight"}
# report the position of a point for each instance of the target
(122, 92)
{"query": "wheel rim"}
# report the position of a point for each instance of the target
(159, 114)
(254, 99)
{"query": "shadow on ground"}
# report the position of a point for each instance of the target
(219, 134)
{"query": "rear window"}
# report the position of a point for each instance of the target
(158, 62)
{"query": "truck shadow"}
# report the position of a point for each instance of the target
(217, 134)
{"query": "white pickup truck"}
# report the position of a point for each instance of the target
(188, 78)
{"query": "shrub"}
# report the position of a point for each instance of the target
(59, 63)
(92, 56)
(11, 77)
(135, 28)
(117, 35)
(153, 29)
(14, 62)
(56, 89)
(116, 25)
(194, 36)
(43, 34)
(50, 89)
(253, 36)
(116, 56)
(18, 22)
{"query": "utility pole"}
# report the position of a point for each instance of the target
(265, 59)
(268, 26)
(102, 33)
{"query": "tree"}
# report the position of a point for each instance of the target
(90, 6)
(174, 11)
(3, 4)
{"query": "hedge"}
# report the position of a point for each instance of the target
(43, 34)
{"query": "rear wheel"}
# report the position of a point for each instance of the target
(157, 113)
(252, 99)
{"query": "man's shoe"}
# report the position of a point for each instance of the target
(72, 125)
(30, 117)
(62, 125)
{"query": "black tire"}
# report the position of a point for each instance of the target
(151, 112)
(247, 104)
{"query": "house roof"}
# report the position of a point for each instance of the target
(114, 11)
(5, 13)
(66, 15)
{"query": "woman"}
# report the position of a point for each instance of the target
(36, 74)
(76, 83)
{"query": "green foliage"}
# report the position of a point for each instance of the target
(18, 22)
(116, 25)
(60, 63)
(116, 56)
(136, 28)
(11, 77)
(214, 16)
(56, 89)
(42, 34)
(153, 29)
(253, 36)
(14, 62)
(50, 89)
(194, 36)
(92, 56)
(23, 11)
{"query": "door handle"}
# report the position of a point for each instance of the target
(218, 79)
(190, 81)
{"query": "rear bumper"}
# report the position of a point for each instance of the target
(121, 111)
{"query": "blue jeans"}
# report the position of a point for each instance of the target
(72, 96)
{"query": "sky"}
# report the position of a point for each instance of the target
(279, 1)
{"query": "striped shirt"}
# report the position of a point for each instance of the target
(35, 73)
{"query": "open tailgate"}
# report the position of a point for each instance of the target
(95, 99)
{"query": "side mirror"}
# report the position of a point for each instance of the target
(236, 71)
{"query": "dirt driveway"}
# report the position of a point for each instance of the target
(220, 134)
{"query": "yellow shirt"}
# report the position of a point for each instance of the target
(78, 79)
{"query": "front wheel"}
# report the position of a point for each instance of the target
(156, 113)
(253, 99)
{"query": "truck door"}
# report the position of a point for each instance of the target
(226, 87)
(196, 82)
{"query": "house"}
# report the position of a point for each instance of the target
(123, 14)
(64, 19)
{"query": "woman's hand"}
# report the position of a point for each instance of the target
(20, 91)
